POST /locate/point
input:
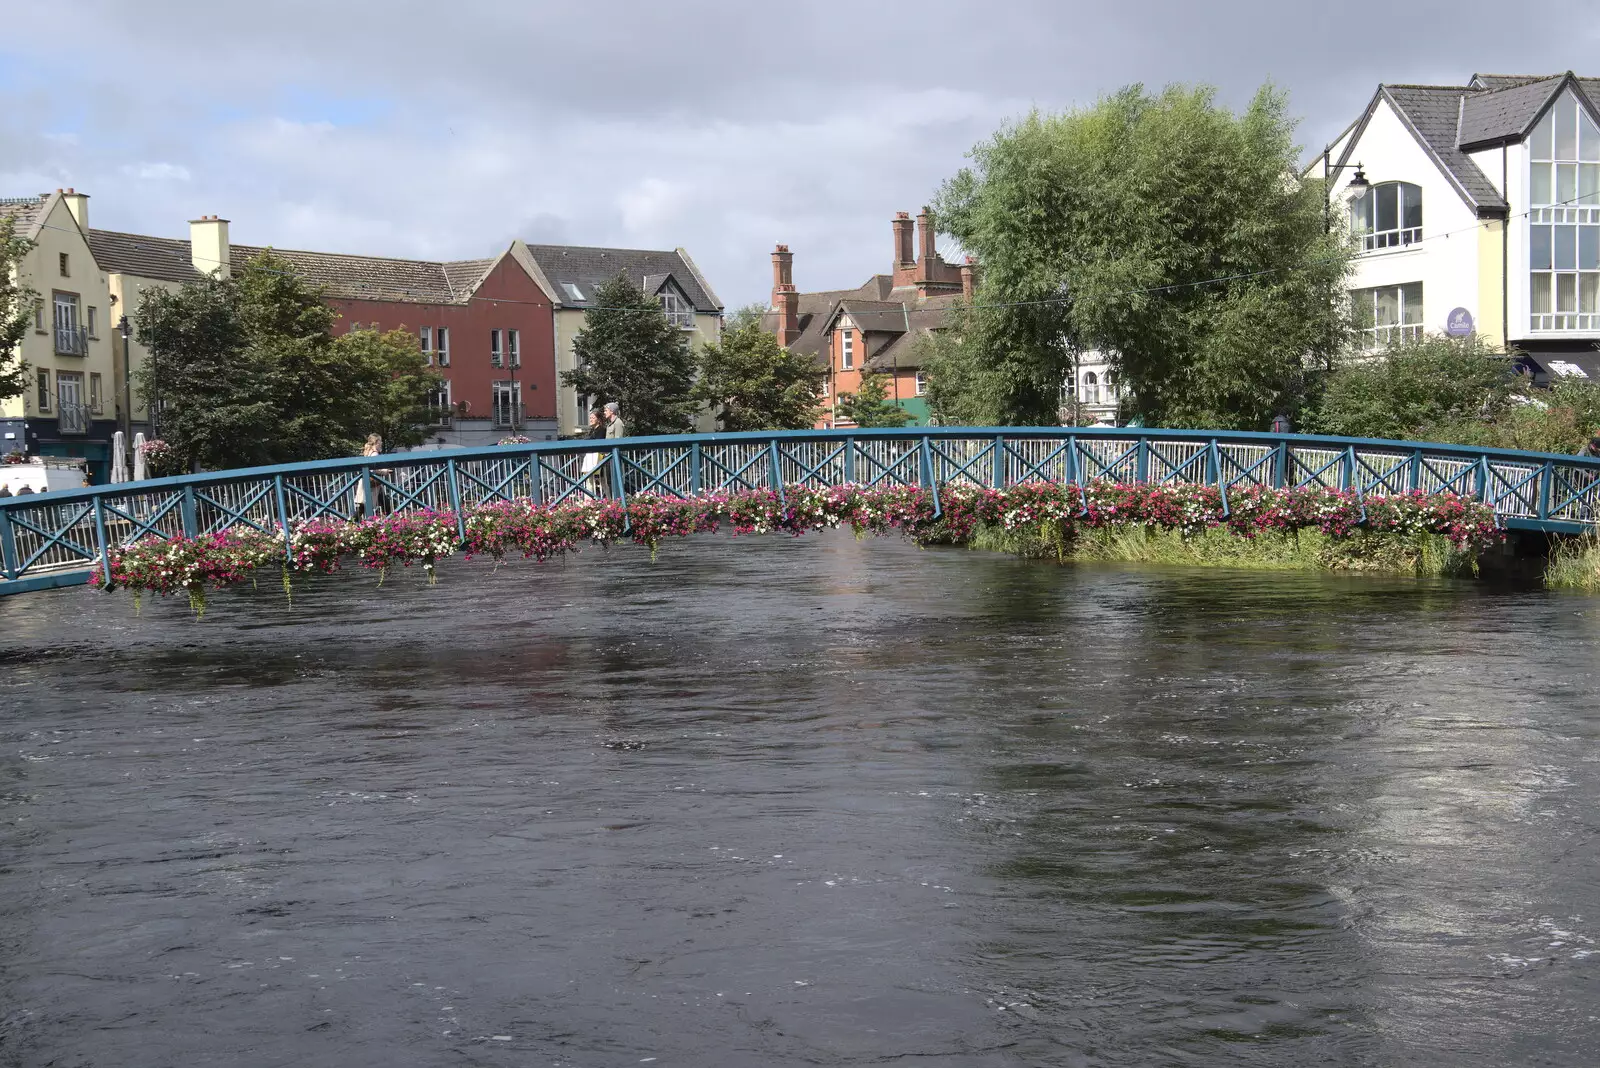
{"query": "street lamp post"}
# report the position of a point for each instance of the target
(127, 379)
(1358, 183)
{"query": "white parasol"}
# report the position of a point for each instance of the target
(119, 457)
(139, 472)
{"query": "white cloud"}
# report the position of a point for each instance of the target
(157, 172)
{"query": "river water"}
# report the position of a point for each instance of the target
(774, 802)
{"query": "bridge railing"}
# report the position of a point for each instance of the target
(54, 539)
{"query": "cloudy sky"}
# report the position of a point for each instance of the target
(432, 129)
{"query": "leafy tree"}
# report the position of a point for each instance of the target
(1162, 230)
(17, 303)
(1412, 387)
(870, 407)
(754, 383)
(248, 372)
(397, 384)
(630, 352)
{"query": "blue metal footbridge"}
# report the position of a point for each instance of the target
(55, 539)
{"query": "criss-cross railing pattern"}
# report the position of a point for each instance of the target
(54, 539)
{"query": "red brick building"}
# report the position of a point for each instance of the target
(485, 324)
(874, 327)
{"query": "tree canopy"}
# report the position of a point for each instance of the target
(248, 372)
(754, 383)
(1162, 230)
(17, 302)
(869, 406)
(630, 352)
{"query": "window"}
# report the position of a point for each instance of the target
(64, 272)
(514, 347)
(847, 349)
(441, 345)
(72, 417)
(439, 403)
(38, 316)
(507, 404)
(1388, 314)
(496, 356)
(1388, 216)
(426, 336)
(44, 390)
(922, 383)
(93, 320)
(96, 404)
(1564, 219)
(1091, 388)
(572, 291)
(824, 387)
(70, 339)
(679, 311)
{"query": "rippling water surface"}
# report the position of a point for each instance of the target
(769, 802)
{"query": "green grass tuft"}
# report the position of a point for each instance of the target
(1426, 554)
(1575, 565)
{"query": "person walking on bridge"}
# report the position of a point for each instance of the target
(615, 427)
(597, 430)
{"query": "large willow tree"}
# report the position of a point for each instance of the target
(1163, 230)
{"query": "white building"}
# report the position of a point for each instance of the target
(1480, 213)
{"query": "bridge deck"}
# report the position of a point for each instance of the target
(55, 539)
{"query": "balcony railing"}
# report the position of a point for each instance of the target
(72, 341)
(72, 418)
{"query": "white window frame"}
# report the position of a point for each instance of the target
(679, 311)
(496, 353)
(1399, 235)
(1564, 217)
(1409, 324)
(921, 381)
(1091, 388)
(92, 321)
(847, 350)
(425, 338)
(441, 345)
(442, 410)
(97, 400)
(514, 348)
(42, 384)
(496, 391)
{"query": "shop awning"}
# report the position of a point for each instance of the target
(1549, 368)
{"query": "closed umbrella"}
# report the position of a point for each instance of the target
(139, 474)
(119, 457)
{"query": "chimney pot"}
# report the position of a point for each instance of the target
(71, 190)
(903, 254)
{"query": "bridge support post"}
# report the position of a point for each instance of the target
(850, 460)
(1142, 463)
(455, 497)
(776, 470)
(925, 472)
(283, 520)
(191, 514)
(8, 545)
(105, 548)
(1415, 481)
(997, 472)
(617, 490)
(694, 468)
(1281, 467)
(1546, 477)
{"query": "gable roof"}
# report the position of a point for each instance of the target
(588, 268)
(1448, 120)
(29, 212)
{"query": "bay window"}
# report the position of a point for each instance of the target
(1564, 219)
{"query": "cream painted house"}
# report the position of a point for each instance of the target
(572, 274)
(71, 408)
(1479, 213)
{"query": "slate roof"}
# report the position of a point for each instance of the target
(889, 327)
(165, 258)
(589, 268)
(342, 276)
(1492, 108)
(27, 211)
(1496, 114)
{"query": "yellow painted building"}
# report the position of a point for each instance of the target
(71, 407)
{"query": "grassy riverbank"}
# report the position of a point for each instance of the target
(1307, 550)
(1575, 565)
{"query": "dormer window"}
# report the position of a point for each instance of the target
(679, 311)
(1388, 215)
(572, 291)
(1564, 219)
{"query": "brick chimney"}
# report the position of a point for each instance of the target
(903, 256)
(969, 278)
(208, 245)
(78, 204)
(925, 239)
(785, 300)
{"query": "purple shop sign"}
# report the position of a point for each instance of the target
(1459, 324)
